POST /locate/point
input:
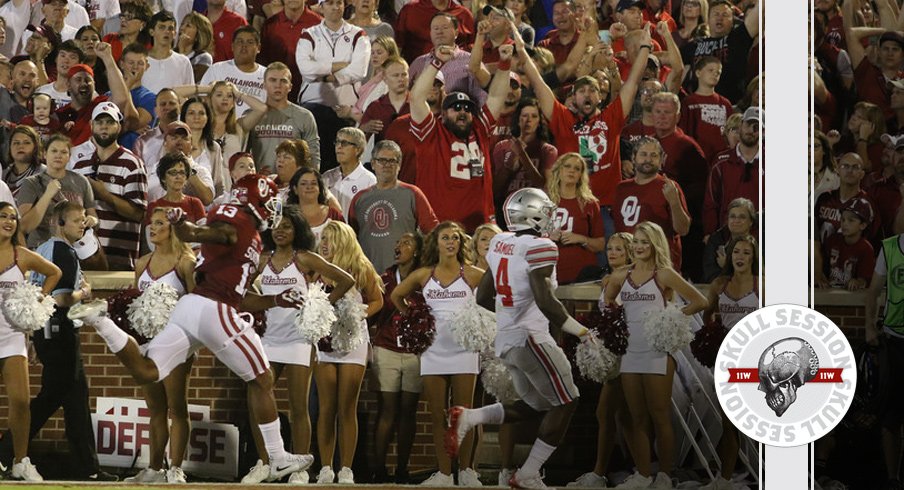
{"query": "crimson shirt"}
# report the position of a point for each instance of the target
(222, 34)
(828, 214)
(843, 262)
(726, 183)
(279, 38)
(223, 272)
(81, 131)
(553, 43)
(412, 29)
(683, 162)
(636, 203)
(873, 87)
(400, 132)
(383, 110)
(703, 117)
(588, 222)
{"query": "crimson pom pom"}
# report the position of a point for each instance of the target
(117, 307)
(707, 341)
(417, 329)
(325, 344)
(260, 322)
(611, 327)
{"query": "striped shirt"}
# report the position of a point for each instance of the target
(124, 176)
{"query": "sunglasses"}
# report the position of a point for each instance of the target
(461, 107)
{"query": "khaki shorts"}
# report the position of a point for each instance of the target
(396, 371)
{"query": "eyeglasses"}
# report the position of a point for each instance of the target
(460, 107)
(126, 18)
(174, 173)
(385, 161)
(345, 143)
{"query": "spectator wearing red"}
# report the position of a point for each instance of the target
(829, 205)
(173, 172)
(413, 28)
(644, 125)
(705, 111)
(225, 22)
(871, 77)
(847, 257)
(400, 131)
(654, 13)
(835, 26)
(380, 113)
(133, 19)
(280, 35)
(561, 40)
(456, 72)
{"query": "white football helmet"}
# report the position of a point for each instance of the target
(529, 209)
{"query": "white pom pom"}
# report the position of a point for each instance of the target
(150, 311)
(350, 328)
(595, 361)
(474, 327)
(668, 329)
(315, 319)
(497, 380)
(26, 308)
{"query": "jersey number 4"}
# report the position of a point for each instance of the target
(503, 289)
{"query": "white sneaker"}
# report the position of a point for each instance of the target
(438, 479)
(527, 481)
(345, 476)
(24, 470)
(88, 312)
(459, 424)
(590, 480)
(299, 478)
(175, 475)
(258, 473)
(147, 475)
(636, 481)
(662, 481)
(505, 474)
(718, 484)
(469, 478)
(326, 475)
(289, 463)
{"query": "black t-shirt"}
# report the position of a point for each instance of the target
(732, 50)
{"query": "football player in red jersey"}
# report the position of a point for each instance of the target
(230, 249)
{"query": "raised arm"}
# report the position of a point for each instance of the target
(218, 232)
(500, 86)
(673, 58)
(852, 35)
(579, 62)
(406, 287)
(545, 96)
(119, 92)
(342, 281)
(629, 88)
(417, 97)
(752, 19)
(475, 63)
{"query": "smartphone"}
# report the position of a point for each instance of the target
(605, 37)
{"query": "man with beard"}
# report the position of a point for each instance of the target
(651, 196)
(84, 101)
(735, 173)
(14, 102)
(400, 130)
(592, 132)
(453, 157)
(503, 127)
(119, 182)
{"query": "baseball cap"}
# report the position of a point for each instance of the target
(503, 11)
(79, 68)
(47, 33)
(440, 77)
(862, 208)
(177, 126)
(626, 4)
(87, 245)
(107, 108)
(894, 36)
(236, 156)
(515, 77)
(456, 97)
(892, 141)
(754, 113)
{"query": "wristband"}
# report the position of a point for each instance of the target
(436, 63)
(648, 46)
(574, 328)
(505, 65)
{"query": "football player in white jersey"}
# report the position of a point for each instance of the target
(519, 287)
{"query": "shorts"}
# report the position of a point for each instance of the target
(197, 321)
(541, 374)
(396, 371)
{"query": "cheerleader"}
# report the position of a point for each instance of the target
(15, 261)
(339, 376)
(446, 279)
(735, 295)
(646, 374)
(286, 263)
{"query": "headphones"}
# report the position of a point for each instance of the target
(31, 102)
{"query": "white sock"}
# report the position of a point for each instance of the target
(489, 414)
(115, 338)
(539, 453)
(273, 440)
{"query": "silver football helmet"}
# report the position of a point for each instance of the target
(529, 209)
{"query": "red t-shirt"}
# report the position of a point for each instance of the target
(597, 140)
(81, 130)
(383, 110)
(703, 117)
(400, 132)
(456, 175)
(223, 28)
(279, 38)
(828, 214)
(553, 43)
(412, 29)
(726, 183)
(588, 222)
(843, 262)
(873, 87)
(224, 271)
(886, 197)
(193, 207)
(685, 164)
(635, 203)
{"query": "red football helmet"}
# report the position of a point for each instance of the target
(261, 196)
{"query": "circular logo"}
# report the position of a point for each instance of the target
(785, 375)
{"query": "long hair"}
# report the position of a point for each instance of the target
(204, 38)
(30, 132)
(174, 246)
(207, 131)
(728, 270)
(661, 252)
(480, 229)
(431, 247)
(626, 238)
(292, 198)
(542, 127)
(303, 237)
(585, 195)
(347, 254)
(389, 45)
(231, 123)
(828, 158)
(15, 238)
(702, 28)
(418, 237)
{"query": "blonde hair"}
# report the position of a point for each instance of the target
(585, 195)
(204, 39)
(480, 229)
(388, 44)
(348, 256)
(231, 122)
(176, 246)
(661, 252)
(626, 238)
(431, 248)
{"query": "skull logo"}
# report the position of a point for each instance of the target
(784, 367)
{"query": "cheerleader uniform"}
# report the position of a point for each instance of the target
(445, 355)
(637, 300)
(12, 343)
(732, 310)
(170, 278)
(357, 356)
(282, 342)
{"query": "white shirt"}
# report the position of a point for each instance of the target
(77, 16)
(317, 50)
(179, 8)
(168, 72)
(59, 98)
(100, 9)
(17, 19)
(345, 188)
(248, 83)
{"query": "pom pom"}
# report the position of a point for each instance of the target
(349, 330)
(707, 342)
(26, 308)
(117, 310)
(416, 329)
(610, 326)
(497, 380)
(595, 361)
(668, 329)
(150, 311)
(315, 319)
(474, 327)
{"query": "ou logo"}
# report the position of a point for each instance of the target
(630, 211)
(381, 219)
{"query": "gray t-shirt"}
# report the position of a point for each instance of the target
(278, 125)
(75, 188)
